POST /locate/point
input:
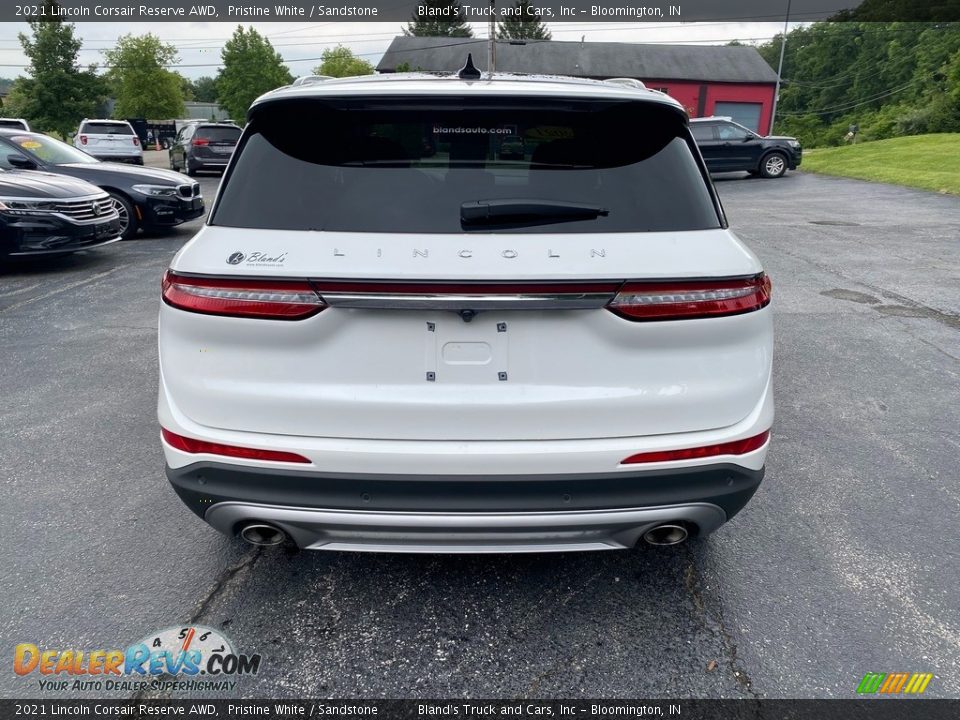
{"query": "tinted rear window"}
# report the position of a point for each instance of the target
(19, 124)
(218, 134)
(94, 128)
(408, 165)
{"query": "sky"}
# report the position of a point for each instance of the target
(301, 45)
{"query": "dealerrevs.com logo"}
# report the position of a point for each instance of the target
(189, 658)
(894, 683)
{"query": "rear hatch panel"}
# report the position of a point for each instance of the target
(379, 195)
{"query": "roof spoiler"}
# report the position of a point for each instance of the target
(627, 82)
(310, 80)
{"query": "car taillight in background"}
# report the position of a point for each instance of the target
(200, 141)
(136, 141)
(241, 297)
(736, 447)
(680, 300)
(83, 139)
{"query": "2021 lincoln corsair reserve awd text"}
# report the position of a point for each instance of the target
(470, 315)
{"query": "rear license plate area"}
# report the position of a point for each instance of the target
(458, 352)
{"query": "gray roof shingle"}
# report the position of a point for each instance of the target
(703, 63)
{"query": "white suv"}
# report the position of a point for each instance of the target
(109, 140)
(411, 332)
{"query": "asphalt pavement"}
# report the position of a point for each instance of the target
(846, 561)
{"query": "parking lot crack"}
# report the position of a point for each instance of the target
(714, 621)
(228, 577)
(231, 576)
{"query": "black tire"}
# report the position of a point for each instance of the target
(128, 217)
(191, 170)
(773, 165)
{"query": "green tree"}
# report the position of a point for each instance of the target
(438, 18)
(186, 86)
(251, 67)
(522, 24)
(141, 83)
(890, 78)
(340, 62)
(205, 89)
(58, 94)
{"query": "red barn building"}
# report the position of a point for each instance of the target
(707, 79)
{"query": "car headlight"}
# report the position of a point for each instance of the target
(793, 143)
(157, 190)
(13, 206)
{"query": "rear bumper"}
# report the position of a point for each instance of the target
(208, 163)
(464, 513)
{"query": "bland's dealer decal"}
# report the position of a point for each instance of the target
(172, 659)
(257, 259)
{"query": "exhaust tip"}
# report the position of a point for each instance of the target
(263, 535)
(666, 534)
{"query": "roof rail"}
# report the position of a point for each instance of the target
(310, 80)
(627, 82)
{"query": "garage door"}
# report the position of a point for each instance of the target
(747, 114)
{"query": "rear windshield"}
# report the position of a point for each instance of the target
(102, 128)
(219, 134)
(19, 124)
(426, 166)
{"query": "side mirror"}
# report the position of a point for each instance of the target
(19, 161)
(748, 138)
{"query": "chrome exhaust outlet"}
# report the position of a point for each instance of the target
(263, 535)
(666, 534)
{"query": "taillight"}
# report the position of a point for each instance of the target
(200, 141)
(737, 447)
(196, 447)
(678, 300)
(83, 139)
(136, 140)
(242, 297)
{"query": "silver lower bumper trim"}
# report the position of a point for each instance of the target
(410, 532)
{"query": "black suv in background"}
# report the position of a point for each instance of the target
(203, 146)
(727, 146)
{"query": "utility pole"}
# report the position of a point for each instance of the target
(783, 49)
(492, 40)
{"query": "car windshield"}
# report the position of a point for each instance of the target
(50, 151)
(430, 165)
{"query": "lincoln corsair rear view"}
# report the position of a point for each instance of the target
(453, 314)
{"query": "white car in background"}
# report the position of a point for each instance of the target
(109, 140)
(14, 124)
(388, 337)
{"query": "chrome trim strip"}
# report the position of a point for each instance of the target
(69, 199)
(412, 532)
(463, 301)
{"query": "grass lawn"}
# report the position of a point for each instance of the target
(929, 162)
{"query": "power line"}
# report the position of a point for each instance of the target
(844, 108)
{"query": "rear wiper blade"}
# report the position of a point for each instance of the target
(492, 212)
